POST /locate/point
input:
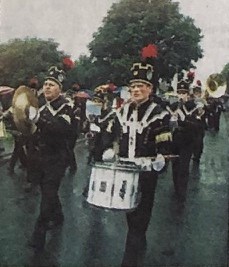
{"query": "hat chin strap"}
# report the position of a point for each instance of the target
(52, 99)
(139, 103)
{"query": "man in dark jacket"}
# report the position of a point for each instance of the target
(139, 128)
(49, 153)
(184, 125)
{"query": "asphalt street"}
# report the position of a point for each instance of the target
(193, 235)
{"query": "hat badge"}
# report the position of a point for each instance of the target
(135, 73)
(60, 77)
(149, 75)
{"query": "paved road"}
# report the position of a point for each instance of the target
(193, 236)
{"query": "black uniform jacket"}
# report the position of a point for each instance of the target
(187, 122)
(53, 129)
(151, 125)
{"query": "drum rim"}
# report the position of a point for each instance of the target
(110, 209)
(117, 166)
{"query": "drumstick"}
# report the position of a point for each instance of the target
(165, 156)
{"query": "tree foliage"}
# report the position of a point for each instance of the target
(22, 59)
(128, 27)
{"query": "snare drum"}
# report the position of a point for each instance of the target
(114, 186)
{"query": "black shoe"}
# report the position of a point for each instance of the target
(10, 170)
(179, 197)
(72, 170)
(85, 192)
(197, 161)
(28, 187)
(22, 167)
(37, 241)
(55, 223)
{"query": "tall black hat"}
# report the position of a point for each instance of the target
(56, 75)
(183, 86)
(142, 72)
(197, 88)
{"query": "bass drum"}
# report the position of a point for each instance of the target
(23, 99)
(114, 186)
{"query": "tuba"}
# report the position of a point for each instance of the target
(216, 85)
(22, 100)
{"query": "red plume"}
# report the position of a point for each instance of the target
(112, 87)
(149, 51)
(191, 75)
(198, 82)
(68, 63)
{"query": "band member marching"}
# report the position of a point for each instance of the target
(137, 130)
(48, 152)
(201, 121)
(183, 124)
(215, 89)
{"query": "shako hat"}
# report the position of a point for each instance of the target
(142, 72)
(56, 75)
(183, 86)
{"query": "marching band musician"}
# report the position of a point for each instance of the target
(199, 139)
(215, 88)
(214, 109)
(183, 123)
(139, 129)
(49, 153)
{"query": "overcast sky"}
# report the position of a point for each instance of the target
(71, 23)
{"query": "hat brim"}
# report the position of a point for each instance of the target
(182, 91)
(55, 80)
(140, 80)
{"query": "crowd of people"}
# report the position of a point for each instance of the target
(141, 127)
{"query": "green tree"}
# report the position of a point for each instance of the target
(23, 59)
(129, 26)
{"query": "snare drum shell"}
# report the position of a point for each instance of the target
(114, 186)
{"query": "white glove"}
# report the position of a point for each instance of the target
(159, 163)
(94, 127)
(109, 154)
(33, 114)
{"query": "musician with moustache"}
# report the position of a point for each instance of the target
(48, 152)
(141, 130)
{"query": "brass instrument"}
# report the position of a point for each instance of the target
(216, 85)
(22, 100)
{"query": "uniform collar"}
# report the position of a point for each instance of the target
(56, 103)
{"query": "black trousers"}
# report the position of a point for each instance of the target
(50, 180)
(138, 221)
(47, 173)
(180, 169)
(198, 145)
(72, 157)
(18, 152)
(214, 120)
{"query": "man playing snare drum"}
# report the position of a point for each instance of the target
(141, 130)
